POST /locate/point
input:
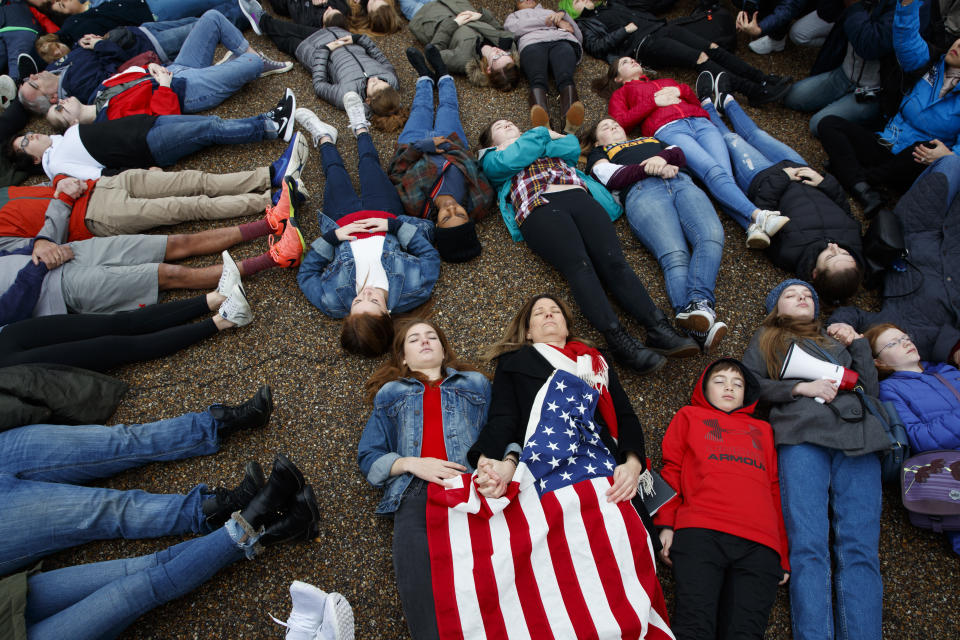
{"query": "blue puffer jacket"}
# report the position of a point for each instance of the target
(328, 274)
(923, 114)
(501, 165)
(930, 411)
(924, 299)
(395, 428)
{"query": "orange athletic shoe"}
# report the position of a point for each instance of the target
(288, 250)
(278, 214)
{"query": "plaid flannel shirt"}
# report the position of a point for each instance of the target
(527, 187)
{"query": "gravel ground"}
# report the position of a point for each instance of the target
(320, 413)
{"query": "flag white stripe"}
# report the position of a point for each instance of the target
(584, 564)
(505, 575)
(468, 606)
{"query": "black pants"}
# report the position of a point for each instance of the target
(411, 562)
(104, 341)
(574, 234)
(858, 155)
(725, 585)
(677, 46)
(558, 57)
(285, 34)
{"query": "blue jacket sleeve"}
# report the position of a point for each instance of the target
(311, 271)
(913, 53)
(925, 434)
(782, 15)
(18, 302)
(378, 448)
(501, 165)
(870, 33)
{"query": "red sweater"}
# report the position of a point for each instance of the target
(24, 211)
(141, 98)
(724, 468)
(633, 105)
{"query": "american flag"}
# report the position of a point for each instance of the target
(552, 558)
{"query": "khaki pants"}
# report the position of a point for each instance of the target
(137, 200)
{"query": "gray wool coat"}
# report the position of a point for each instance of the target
(346, 68)
(843, 424)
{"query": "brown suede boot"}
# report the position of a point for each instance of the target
(539, 108)
(571, 108)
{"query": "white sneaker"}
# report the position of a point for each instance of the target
(337, 619)
(356, 110)
(235, 308)
(316, 127)
(765, 45)
(756, 238)
(230, 277)
(709, 340)
(298, 157)
(771, 221)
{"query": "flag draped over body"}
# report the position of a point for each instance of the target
(552, 558)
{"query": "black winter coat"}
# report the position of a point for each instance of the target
(604, 34)
(818, 215)
(517, 380)
(923, 299)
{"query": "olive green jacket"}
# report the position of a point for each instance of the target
(434, 24)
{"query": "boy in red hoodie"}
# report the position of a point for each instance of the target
(723, 534)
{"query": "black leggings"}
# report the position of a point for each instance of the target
(411, 562)
(857, 155)
(558, 57)
(285, 34)
(574, 234)
(103, 341)
(676, 46)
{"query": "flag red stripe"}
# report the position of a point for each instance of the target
(646, 569)
(488, 595)
(441, 566)
(527, 589)
(563, 568)
(606, 561)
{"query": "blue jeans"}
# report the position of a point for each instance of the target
(409, 8)
(708, 159)
(421, 123)
(173, 137)
(666, 215)
(824, 489)
(176, 9)
(339, 198)
(752, 149)
(830, 93)
(45, 510)
(101, 599)
(206, 85)
(170, 35)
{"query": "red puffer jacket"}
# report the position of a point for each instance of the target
(633, 105)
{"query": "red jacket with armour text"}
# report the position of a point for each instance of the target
(724, 469)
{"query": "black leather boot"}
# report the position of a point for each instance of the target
(539, 108)
(436, 61)
(571, 109)
(252, 414)
(285, 481)
(419, 63)
(300, 523)
(869, 198)
(225, 501)
(630, 352)
(664, 338)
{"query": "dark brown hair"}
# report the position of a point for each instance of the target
(723, 365)
(381, 21)
(872, 335)
(366, 334)
(486, 134)
(336, 20)
(395, 367)
(605, 85)
(388, 113)
(836, 286)
(515, 335)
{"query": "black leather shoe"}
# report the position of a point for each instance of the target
(225, 501)
(284, 483)
(300, 523)
(664, 338)
(630, 352)
(435, 60)
(869, 198)
(252, 414)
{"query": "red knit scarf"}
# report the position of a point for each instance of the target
(574, 350)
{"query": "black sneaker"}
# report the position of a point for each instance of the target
(26, 66)
(698, 315)
(722, 87)
(282, 115)
(704, 85)
(225, 501)
(665, 339)
(252, 414)
(771, 92)
(709, 340)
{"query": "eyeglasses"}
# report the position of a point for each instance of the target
(893, 343)
(497, 56)
(24, 141)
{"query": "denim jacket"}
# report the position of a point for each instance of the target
(328, 275)
(395, 428)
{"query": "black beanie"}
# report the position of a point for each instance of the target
(458, 244)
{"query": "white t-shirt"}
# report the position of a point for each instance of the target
(67, 155)
(366, 255)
